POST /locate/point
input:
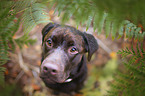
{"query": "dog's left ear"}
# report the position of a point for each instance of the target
(48, 27)
(91, 44)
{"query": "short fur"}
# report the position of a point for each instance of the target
(68, 65)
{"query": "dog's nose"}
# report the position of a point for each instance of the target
(50, 69)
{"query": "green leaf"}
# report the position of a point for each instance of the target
(107, 27)
(89, 22)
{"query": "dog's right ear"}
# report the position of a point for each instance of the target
(91, 44)
(47, 28)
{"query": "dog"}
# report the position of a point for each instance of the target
(63, 66)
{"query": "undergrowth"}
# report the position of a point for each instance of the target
(121, 18)
(29, 13)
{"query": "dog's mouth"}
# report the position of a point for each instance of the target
(48, 80)
(53, 80)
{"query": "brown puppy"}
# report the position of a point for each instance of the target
(63, 65)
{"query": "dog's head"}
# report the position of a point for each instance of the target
(62, 51)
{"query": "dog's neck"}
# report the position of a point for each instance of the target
(79, 70)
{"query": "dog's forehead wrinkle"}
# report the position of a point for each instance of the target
(68, 38)
(65, 32)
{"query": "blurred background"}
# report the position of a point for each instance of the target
(116, 69)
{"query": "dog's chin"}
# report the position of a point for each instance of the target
(54, 81)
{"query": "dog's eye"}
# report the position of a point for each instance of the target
(49, 43)
(73, 50)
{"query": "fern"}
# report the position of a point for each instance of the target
(116, 18)
(102, 14)
(31, 12)
(7, 31)
(131, 82)
(24, 40)
(10, 89)
(34, 13)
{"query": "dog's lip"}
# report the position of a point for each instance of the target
(45, 78)
(50, 80)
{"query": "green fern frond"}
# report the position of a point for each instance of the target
(103, 16)
(3, 51)
(137, 72)
(108, 28)
(124, 52)
(33, 11)
(22, 5)
(5, 28)
(120, 75)
(117, 22)
(99, 20)
(33, 16)
(24, 40)
(5, 33)
(131, 82)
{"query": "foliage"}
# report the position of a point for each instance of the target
(10, 89)
(110, 15)
(34, 13)
(30, 14)
(119, 18)
(99, 78)
(131, 82)
(8, 29)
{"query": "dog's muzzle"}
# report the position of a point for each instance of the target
(53, 68)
